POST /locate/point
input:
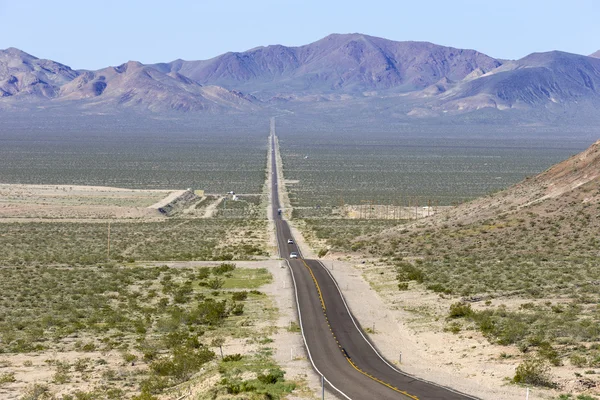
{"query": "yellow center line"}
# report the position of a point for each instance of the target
(317, 285)
(340, 346)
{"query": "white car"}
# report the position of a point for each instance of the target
(290, 241)
(293, 254)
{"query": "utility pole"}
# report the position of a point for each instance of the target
(417, 209)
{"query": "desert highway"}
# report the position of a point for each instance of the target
(336, 347)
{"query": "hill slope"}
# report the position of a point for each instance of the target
(544, 223)
(552, 79)
(133, 84)
(23, 75)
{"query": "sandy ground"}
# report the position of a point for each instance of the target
(32, 368)
(67, 202)
(211, 210)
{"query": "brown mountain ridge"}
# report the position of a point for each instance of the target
(341, 73)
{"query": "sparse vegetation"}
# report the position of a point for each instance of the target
(86, 242)
(166, 329)
(214, 162)
(396, 170)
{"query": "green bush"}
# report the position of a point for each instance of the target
(223, 268)
(408, 272)
(578, 360)
(37, 392)
(438, 288)
(216, 283)
(237, 309)
(533, 372)
(239, 296)
(7, 377)
(274, 376)
(203, 273)
(460, 310)
(144, 396)
(232, 357)
(129, 358)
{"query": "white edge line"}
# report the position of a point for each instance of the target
(304, 338)
(296, 290)
(278, 201)
(377, 352)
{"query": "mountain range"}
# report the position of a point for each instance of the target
(342, 74)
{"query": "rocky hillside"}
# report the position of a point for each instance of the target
(133, 84)
(25, 77)
(539, 80)
(555, 213)
(571, 180)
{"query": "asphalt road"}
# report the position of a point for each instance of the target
(336, 346)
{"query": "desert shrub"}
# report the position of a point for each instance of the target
(7, 377)
(154, 385)
(144, 396)
(453, 327)
(223, 268)
(273, 376)
(459, 310)
(578, 360)
(81, 364)
(203, 273)
(37, 392)
(239, 296)
(237, 387)
(409, 272)
(129, 358)
(322, 252)
(209, 312)
(62, 375)
(548, 352)
(216, 283)
(232, 357)
(403, 286)
(237, 309)
(439, 288)
(534, 372)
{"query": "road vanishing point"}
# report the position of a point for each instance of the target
(349, 364)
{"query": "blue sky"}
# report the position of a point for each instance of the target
(93, 35)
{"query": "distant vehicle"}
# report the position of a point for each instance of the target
(293, 254)
(279, 211)
(290, 241)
